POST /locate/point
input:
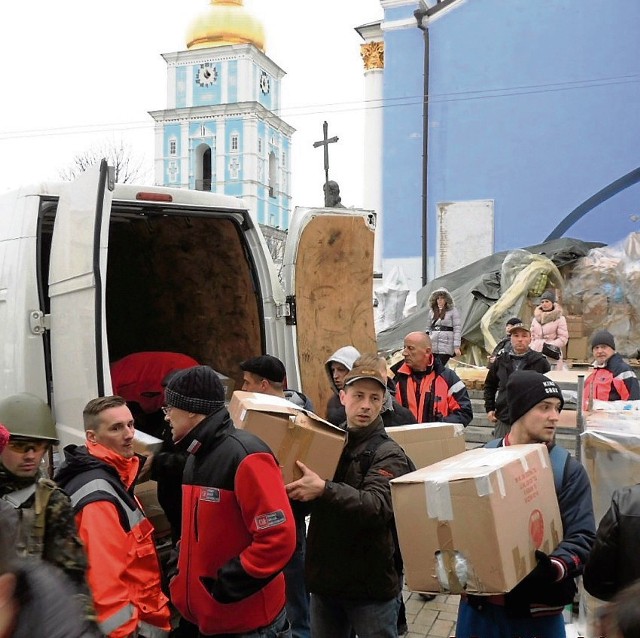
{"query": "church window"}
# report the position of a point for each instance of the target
(173, 146)
(272, 174)
(259, 145)
(203, 130)
(234, 143)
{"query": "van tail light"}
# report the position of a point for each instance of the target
(154, 197)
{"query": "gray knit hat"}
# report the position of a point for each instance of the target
(196, 389)
(549, 295)
(603, 338)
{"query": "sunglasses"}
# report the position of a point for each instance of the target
(23, 447)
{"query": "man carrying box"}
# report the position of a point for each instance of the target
(350, 565)
(534, 607)
(266, 374)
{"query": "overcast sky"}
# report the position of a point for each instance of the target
(76, 73)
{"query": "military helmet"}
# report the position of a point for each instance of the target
(26, 415)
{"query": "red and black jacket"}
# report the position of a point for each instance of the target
(615, 382)
(238, 531)
(439, 396)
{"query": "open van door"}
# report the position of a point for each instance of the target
(77, 273)
(328, 279)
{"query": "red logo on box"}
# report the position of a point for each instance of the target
(536, 528)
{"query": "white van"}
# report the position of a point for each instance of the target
(91, 271)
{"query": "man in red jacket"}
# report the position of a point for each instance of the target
(238, 531)
(430, 390)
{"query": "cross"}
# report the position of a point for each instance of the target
(325, 142)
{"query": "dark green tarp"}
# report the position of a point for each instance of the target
(474, 289)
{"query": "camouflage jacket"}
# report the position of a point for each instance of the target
(59, 543)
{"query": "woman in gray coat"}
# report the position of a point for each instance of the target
(444, 327)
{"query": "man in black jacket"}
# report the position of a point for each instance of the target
(518, 357)
(534, 606)
(350, 565)
(614, 563)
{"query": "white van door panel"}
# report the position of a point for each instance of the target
(77, 272)
(328, 279)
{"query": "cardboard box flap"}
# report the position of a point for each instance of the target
(425, 432)
(278, 405)
(474, 464)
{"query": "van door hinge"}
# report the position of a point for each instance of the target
(39, 322)
(288, 310)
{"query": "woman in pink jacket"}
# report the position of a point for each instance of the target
(549, 327)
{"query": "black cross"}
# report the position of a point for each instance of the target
(325, 142)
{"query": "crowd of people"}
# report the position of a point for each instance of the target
(253, 557)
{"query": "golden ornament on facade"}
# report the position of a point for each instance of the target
(225, 22)
(373, 55)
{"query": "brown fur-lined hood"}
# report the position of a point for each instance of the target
(441, 292)
(543, 317)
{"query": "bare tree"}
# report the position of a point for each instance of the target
(128, 167)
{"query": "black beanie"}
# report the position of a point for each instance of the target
(603, 338)
(265, 366)
(196, 389)
(527, 388)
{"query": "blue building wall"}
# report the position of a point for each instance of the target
(403, 89)
(535, 105)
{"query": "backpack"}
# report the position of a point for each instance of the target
(558, 455)
(27, 524)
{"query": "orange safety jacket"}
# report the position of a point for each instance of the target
(440, 396)
(124, 570)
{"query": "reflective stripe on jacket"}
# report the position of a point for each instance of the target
(615, 382)
(124, 570)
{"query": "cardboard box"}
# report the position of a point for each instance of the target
(291, 432)
(144, 443)
(147, 494)
(575, 325)
(578, 348)
(428, 443)
(474, 521)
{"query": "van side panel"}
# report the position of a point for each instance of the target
(22, 366)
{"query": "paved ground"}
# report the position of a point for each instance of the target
(436, 618)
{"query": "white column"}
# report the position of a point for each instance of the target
(372, 52)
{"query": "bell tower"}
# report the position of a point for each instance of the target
(221, 131)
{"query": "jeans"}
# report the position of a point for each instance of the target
(492, 621)
(333, 617)
(297, 594)
(279, 628)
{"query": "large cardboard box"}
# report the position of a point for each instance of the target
(474, 521)
(428, 443)
(575, 325)
(291, 432)
(147, 494)
(578, 348)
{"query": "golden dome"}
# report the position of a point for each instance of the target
(225, 22)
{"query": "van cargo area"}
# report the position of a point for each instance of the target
(176, 281)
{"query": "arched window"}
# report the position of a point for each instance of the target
(273, 174)
(203, 175)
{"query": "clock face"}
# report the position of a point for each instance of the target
(265, 83)
(207, 75)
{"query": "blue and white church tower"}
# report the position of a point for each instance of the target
(220, 131)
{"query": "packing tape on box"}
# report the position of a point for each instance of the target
(296, 436)
(451, 567)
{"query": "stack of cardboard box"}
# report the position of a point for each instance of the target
(578, 346)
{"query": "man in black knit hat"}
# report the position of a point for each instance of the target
(534, 607)
(238, 531)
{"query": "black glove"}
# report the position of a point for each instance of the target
(545, 570)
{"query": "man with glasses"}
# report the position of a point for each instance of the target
(46, 525)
